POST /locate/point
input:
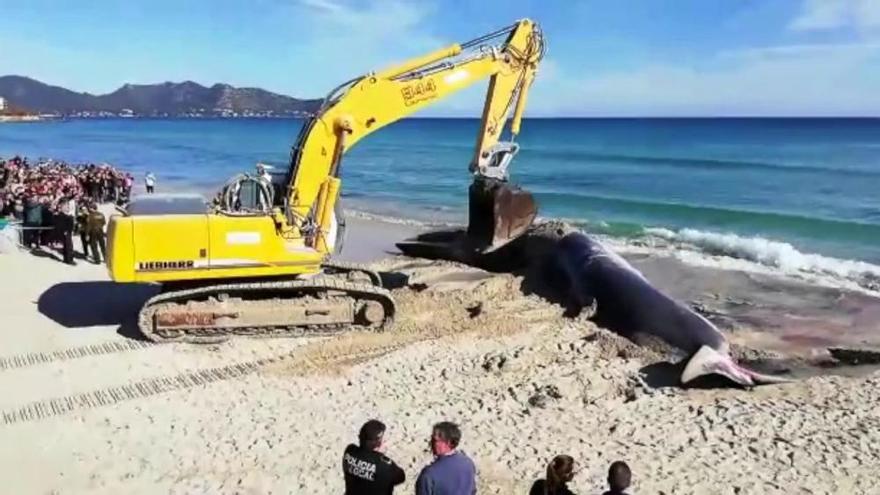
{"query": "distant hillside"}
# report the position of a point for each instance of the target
(166, 99)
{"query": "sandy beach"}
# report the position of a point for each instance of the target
(606, 240)
(89, 407)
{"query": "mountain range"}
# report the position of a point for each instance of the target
(165, 99)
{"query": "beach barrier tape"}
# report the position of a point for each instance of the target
(37, 358)
(43, 409)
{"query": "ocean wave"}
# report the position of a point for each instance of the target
(532, 152)
(683, 214)
(778, 255)
(709, 249)
(690, 162)
(410, 222)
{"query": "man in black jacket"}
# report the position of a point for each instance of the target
(367, 470)
(81, 226)
(64, 229)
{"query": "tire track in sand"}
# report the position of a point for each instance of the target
(134, 390)
(26, 360)
(47, 408)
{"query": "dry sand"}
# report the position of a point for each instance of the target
(87, 408)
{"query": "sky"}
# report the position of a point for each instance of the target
(605, 57)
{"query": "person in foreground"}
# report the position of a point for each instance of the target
(560, 471)
(619, 478)
(367, 470)
(452, 472)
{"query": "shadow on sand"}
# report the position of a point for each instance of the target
(666, 374)
(96, 303)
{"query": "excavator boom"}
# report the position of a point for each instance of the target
(498, 212)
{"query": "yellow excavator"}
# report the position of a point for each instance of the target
(258, 261)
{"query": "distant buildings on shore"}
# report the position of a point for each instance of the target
(19, 118)
(191, 114)
(9, 113)
(6, 115)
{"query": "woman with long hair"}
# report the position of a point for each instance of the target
(560, 471)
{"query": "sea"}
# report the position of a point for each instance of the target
(801, 196)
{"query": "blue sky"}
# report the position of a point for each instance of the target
(606, 57)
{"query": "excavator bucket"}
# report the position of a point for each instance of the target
(498, 212)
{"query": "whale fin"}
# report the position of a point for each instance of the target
(762, 379)
(708, 361)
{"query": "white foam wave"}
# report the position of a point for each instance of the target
(780, 256)
(411, 222)
(710, 249)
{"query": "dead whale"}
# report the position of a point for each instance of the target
(626, 303)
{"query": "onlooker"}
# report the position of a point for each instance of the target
(619, 478)
(50, 181)
(64, 226)
(33, 220)
(560, 471)
(41, 194)
(127, 183)
(150, 181)
(82, 222)
(95, 226)
(367, 470)
(263, 174)
(18, 209)
(452, 472)
(49, 232)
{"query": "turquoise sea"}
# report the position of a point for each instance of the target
(798, 192)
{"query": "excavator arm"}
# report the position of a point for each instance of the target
(508, 58)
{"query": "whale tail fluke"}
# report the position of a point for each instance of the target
(708, 361)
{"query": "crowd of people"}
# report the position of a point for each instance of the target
(369, 471)
(53, 200)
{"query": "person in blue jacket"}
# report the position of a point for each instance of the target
(452, 472)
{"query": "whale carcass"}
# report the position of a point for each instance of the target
(627, 303)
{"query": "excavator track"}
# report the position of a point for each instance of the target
(352, 270)
(321, 305)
